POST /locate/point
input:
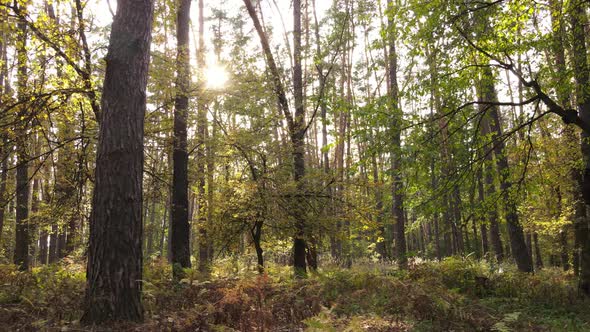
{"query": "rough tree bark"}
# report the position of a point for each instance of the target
(4, 148)
(114, 270)
(179, 224)
(515, 231)
(490, 190)
(563, 97)
(4, 155)
(485, 247)
(396, 119)
(201, 159)
(21, 249)
(578, 20)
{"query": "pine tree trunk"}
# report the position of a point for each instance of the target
(179, 224)
(164, 228)
(114, 270)
(201, 156)
(396, 124)
(21, 249)
(578, 20)
(53, 250)
(4, 148)
(515, 231)
(45, 245)
(150, 232)
(538, 258)
(485, 247)
(296, 125)
(4, 155)
(487, 190)
(298, 141)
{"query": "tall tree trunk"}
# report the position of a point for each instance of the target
(65, 191)
(298, 141)
(53, 243)
(381, 247)
(34, 218)
(578, 20)
(485, 247)
(564, 99)
(529, 243)
(114, 270)
(61, 242)
(515, 231)
(296, 125)
(490, 195)
(458, 226)
(44, 246)
(396, 124)
(179, 224)
(538, 258)
(164, 228)
(150, 231)
(21, 249)
(4, 155)
(487, 189)
(201, 158)
(5, 89)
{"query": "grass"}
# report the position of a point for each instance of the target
(455, 294)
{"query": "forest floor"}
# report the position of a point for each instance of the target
(453, 295)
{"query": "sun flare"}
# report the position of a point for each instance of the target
(216, 76)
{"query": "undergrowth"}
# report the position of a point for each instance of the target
(455, 294)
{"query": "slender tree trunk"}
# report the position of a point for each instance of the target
(296, 125)
(578, 20)
(34, 219)
(538, 258)
(529, 243)
(151, 228)
(4, 155)
(396, 124)
(381, 242)
(211, 181)
(201, 158)
(53, 243)
(298, 140)
(256, 233)
(179, 225)
(492, 209)
(21, 249)
(65, 191)
(61, 242)
(569, 133)
(44, 234)
(485, 247)
(162, 242)
(5, 89)
(114, 270)
(515, 232)
(458, 226)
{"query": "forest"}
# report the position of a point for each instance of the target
(294, 165)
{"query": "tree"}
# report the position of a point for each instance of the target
(6, 90)
(578, 20)
(114, 269)
(296, 125)
(21, 250)
(179, 225)
(395, 127)
(515, 231)
(202, 208)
